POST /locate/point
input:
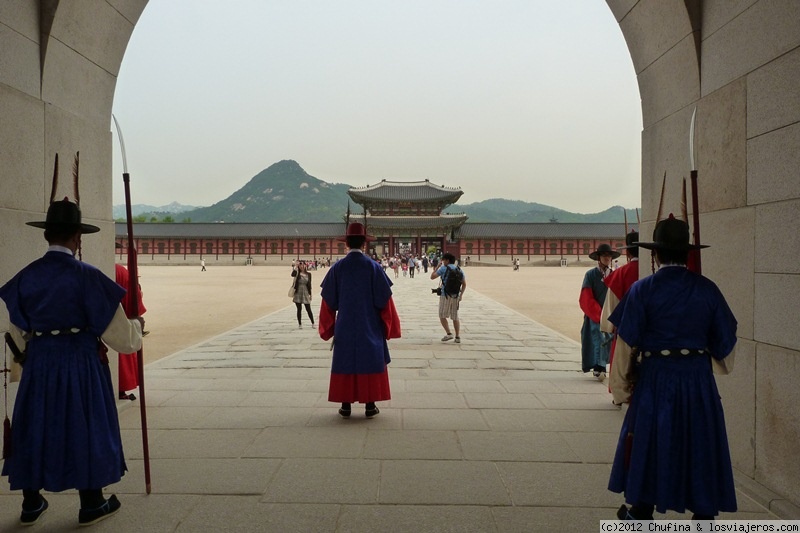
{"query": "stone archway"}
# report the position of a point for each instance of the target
(738, 63)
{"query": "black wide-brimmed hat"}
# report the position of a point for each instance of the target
(631, 241)
(603, 249)
(356, 229)
(64, 215)
(671, 234)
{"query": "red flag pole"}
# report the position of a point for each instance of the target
(133, 291)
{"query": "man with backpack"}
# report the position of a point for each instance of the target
(454, 283)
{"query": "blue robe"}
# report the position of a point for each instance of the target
(673, 448)
(357, 289)
(65, 426)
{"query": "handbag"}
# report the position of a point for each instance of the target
(292, 291)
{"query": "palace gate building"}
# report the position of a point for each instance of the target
(404, 218)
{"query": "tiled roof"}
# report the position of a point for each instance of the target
(542, 230)
(397, 191)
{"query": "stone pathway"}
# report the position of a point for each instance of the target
(499, 433)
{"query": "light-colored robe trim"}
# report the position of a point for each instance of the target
(618, 381)
(725, 366)
(122, 334)
(609, 305)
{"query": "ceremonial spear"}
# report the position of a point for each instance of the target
(133, 300)
(694, 255)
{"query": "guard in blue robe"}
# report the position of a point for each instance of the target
(65, 427)
(358, 312)
(673, 447)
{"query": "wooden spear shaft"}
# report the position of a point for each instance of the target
(133, 299)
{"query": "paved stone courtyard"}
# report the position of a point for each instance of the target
(500, 433)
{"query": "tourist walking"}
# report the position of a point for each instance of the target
(65, 427)
(595, 344)
(357, 311)
(202, 265)
(453, 285)
(302, 292)
(673, 449)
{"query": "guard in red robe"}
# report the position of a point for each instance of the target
(618, 283)
(595, 344)
(358, 312)
(128, 362)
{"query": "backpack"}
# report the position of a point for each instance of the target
(452, 281)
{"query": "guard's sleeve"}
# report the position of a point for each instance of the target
(608, 307)
(723, 367)
(391, 321)
(327, 321)
(381, 288)
(589, 305)
(618, 382)
(629, 318)
(101, 297)
(122, 334)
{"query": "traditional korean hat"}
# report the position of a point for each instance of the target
(356, 229)
(671, 234)
(631, 241)
(603, 249)
(64, 214)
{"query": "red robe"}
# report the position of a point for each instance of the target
(128, 362)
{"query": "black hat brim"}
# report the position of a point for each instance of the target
(85, 228)
(595, 256)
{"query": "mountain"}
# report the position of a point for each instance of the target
(283, 192)
(143, 209)
(500, 210)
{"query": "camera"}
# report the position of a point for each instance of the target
(437, 291)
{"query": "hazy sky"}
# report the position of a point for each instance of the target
(531, 100)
